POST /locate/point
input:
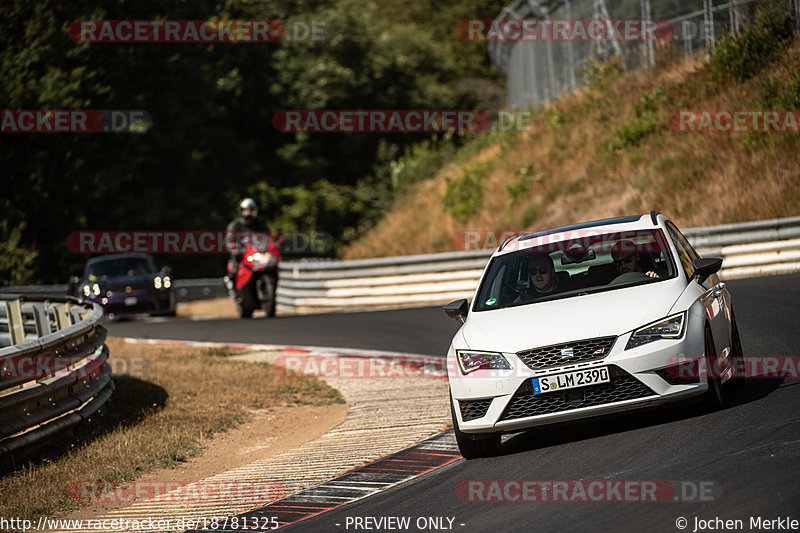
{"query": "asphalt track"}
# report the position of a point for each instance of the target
(748, 453)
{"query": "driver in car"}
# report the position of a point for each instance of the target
(542, 274)
(627, 259)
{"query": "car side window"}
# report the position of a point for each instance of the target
(683, 254)
(682, 238)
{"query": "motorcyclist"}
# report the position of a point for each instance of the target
(240, 232)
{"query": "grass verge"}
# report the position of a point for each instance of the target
(165, 409)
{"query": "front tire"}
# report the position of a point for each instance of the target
(739, 379)
(268, 301)
(714, 395)
(474, 446)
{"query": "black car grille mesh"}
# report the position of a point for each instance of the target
(559, 354)
(622, 387)
(470, 410)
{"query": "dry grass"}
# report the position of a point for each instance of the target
(695, 179)
(180, 399)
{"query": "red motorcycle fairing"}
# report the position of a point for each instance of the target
(243, 277)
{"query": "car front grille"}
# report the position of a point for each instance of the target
(622, 387)
(567, 353)
(470, 410)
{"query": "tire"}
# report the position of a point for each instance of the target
(268, 303)
(714, 395)
(244, 312)
(737, 356)
(474, 446)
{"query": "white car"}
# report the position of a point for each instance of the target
(587, 320)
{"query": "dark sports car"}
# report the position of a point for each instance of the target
(125, 284)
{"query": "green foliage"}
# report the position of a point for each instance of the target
(463, 195)
(523, 182)
(212, 139)
(16, 260)
(599, 73)
(744, 55)
(644, 123)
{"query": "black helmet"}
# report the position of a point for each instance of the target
(248, 204)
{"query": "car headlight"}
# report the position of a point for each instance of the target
(470, 361)
(157, 282)
(667, 328)
(96, 289)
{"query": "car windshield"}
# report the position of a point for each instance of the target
(545, 270)
(121, 266)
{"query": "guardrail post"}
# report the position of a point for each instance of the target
(16, 328)
(62, 316)
(42, 319)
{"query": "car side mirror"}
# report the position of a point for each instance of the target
(457, 310)
(705, 266)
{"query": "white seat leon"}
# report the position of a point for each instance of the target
(587, 320)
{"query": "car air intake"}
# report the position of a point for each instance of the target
(470, 410)
(622, 387)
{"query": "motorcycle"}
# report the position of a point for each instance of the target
(256, 280)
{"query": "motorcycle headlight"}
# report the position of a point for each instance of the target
(667, 328)
(157, 282)
(87, 290)
(258, 257)
(95, 289)
(469, 361)
(167, 282)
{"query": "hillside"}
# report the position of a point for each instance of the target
(609, 150)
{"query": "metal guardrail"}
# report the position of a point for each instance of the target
(53, 369)
(749, 249)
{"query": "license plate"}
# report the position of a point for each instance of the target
(133, 300)
(570, 380)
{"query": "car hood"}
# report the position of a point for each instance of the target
(581, 317)
(143, 281)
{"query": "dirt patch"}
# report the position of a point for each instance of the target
(218, 308)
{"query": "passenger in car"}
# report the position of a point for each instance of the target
(627, 259)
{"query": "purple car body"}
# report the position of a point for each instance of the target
(126, 284)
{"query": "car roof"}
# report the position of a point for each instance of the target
(631, 222)
(129, 255)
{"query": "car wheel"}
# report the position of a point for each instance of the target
(739, 378)
(474, 446)
(713, 397)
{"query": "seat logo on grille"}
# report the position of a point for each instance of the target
(567, 353)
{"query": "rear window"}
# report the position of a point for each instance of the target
(580, 265)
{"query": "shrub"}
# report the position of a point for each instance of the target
(742, 56)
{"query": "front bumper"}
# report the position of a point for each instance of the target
(489, 401)
(137, 302)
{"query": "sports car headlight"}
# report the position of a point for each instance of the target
(667, 328)
(470, 361)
